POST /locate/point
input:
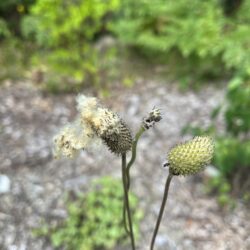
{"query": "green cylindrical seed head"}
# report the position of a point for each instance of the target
(192, 156)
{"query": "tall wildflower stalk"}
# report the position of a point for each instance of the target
(164, 200)
(185, 159)
(96, 124)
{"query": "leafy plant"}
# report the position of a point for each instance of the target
(12, 12)
(198, 30)
(96, 123)
(4, 30)
(94, 220)
(237, 113)
(232, 156)
(15, 58)
(222, 188)
(66, 32)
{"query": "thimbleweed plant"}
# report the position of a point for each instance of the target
(185, 159)
(96, 124)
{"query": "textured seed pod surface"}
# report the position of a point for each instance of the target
(192, 156)
(119, 141)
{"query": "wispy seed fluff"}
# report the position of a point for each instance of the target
(106, 124)
(71, 139)
(192, 156)
(94, 124)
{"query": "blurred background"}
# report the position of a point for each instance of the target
(189, 58)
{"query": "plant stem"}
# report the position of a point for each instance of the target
(132, 160)
(126, 199)
(133, 157)
(165, 197)
(124, 206)
(124, 215)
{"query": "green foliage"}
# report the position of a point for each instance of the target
(94, 220)
(223, 189)
(198, 30)
(12, 11)
(9, 5)
(231, 154)
(237, 113)
(4, 30)
(14, 59)
(161, 26)
(67, 32)
(63, 23)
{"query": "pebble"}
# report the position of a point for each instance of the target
(211, 171)
(164, 242)
(77, 183)
(5, 184)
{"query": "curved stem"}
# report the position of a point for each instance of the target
(165, 197)
(124, 216)
(126, 200)
(133, 157)
(132, 160)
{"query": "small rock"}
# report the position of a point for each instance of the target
(211, 171)
(33, 191)
(165, 242)
(76, 183)
(4, 184)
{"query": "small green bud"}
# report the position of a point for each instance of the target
(192, 156)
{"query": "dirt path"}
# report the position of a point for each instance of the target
(28, 121)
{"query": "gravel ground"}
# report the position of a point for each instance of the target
(32, 183)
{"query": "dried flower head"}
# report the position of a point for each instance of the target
(120, 141)
(106, 124)
(191, 157)
(93, 122)
(153, 117)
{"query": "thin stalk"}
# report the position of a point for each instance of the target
(165, 197)
(124, 216)
(133, 157)
(132, 160)
(126, 199)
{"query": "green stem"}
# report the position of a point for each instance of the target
(126, 199)
(124, 216)
(133, 157)
(165, 197)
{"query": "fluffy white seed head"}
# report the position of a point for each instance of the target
(72, 138)
(93, 124)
